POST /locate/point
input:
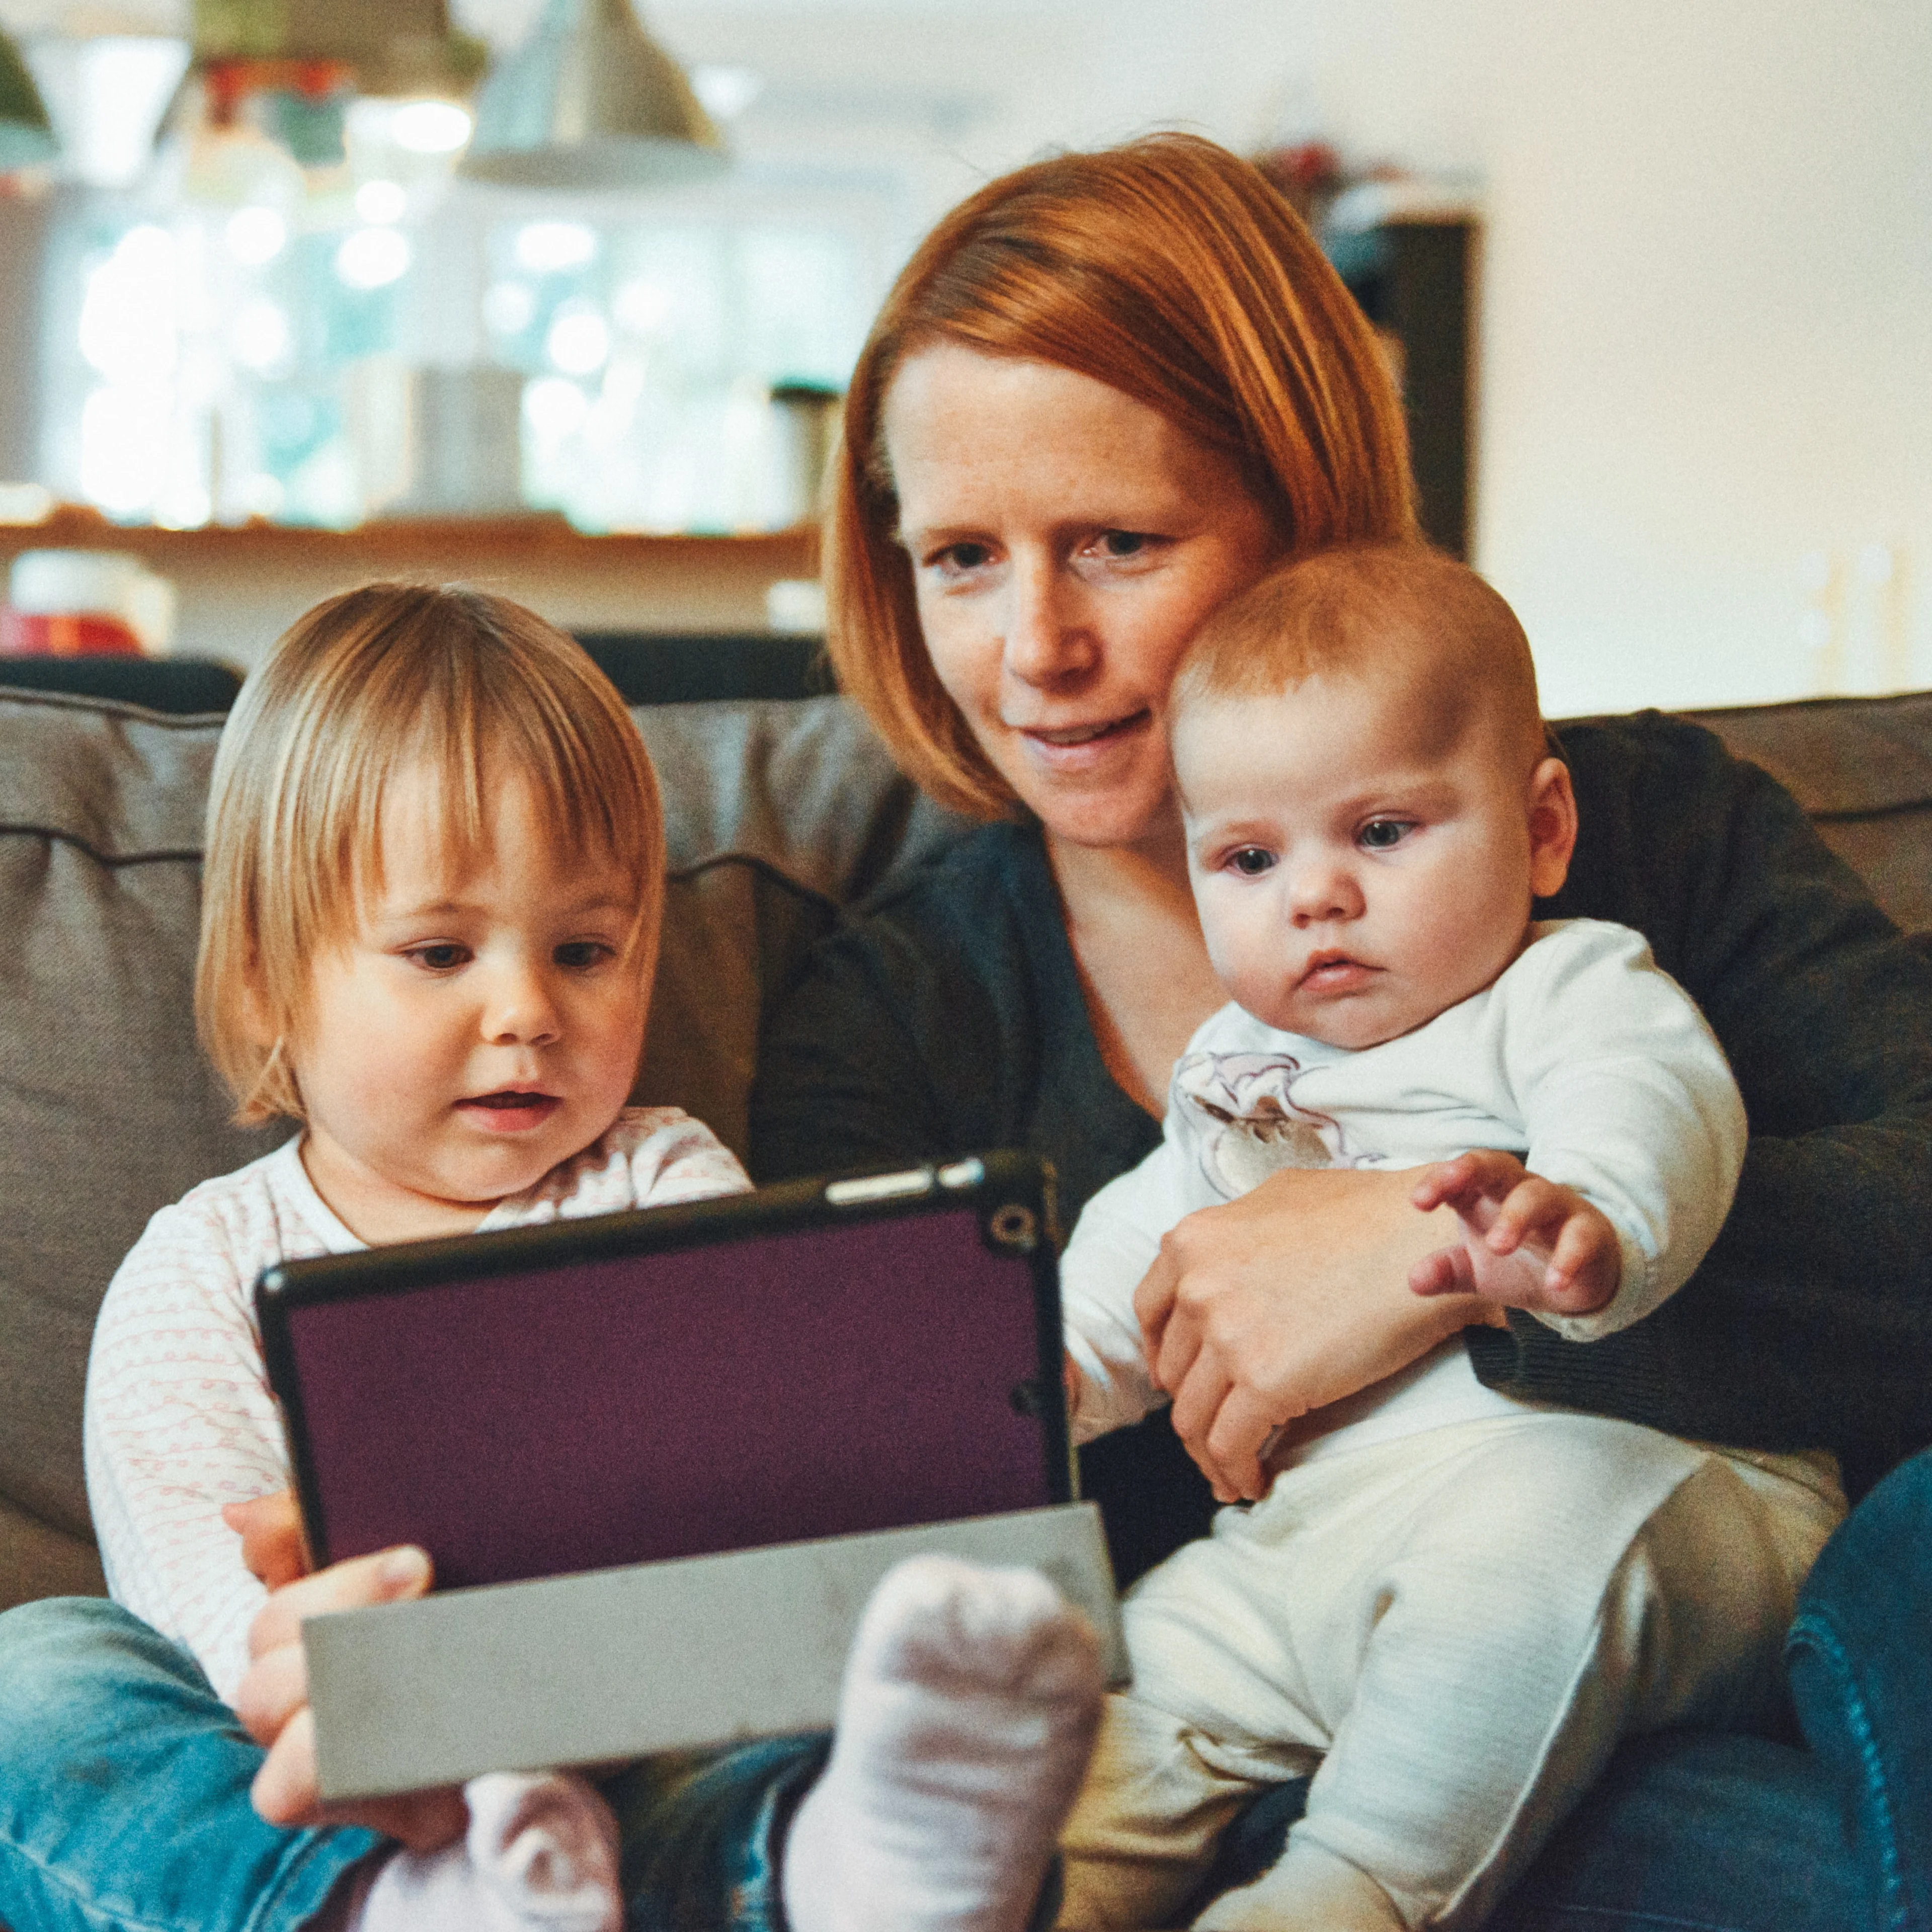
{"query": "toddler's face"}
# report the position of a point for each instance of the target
(480, 1025)
(1355, 876)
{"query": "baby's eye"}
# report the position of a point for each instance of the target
(1251, 861)
(441, 957)
(579, 955)
(1382, 835)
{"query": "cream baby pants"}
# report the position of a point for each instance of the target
(1450, 1631)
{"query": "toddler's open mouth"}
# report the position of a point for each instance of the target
(509, 1109)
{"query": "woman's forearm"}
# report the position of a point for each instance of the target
(1295, 1296)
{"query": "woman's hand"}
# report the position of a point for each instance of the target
(1296, 1295)
(273, 1699)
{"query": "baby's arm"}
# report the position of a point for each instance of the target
(1113, 1245)
(1527, 1242)
(1627, 1101)
(179, 1422)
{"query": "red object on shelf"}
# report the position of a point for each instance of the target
(89, 634)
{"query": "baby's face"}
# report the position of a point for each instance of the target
(482, 1023)
(1355, 876)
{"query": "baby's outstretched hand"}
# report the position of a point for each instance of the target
(1527, 1243)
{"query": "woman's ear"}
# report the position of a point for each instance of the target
(1552, 826)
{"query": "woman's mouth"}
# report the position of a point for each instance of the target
(511, 1110)
(1069, 740)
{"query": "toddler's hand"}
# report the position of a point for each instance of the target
(1527, 1243)
(273, 1703)
(270, 1528)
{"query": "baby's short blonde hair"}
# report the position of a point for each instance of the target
(1402, 617)
(354, 692)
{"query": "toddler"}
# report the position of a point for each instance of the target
(434, 872)
(1449, 1604)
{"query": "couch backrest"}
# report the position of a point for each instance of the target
(776, 814)
(1862, 768)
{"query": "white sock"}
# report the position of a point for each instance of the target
(540, 1855)
(968, 1712)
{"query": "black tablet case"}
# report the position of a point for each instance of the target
(766, 1368)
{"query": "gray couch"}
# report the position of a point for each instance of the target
(779, 813)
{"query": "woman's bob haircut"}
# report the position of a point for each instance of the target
(1168, 269)
(368, 684)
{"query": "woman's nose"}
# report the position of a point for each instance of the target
(1322, 890)
(1047, 638)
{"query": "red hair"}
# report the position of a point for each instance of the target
(1168, 269)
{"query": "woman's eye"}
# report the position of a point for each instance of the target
(1125, 543)
(1380, 835)
(1251, 861)
(961, 559)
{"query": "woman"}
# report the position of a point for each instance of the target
(1107, 391)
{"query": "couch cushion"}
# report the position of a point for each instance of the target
(776, 814)
(1862, 768)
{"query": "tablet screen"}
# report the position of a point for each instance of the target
(837, 1377)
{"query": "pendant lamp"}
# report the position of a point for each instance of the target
(26, 136)
(590, 101)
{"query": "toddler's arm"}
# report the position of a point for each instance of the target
(1527, 1242)
(178, 1422)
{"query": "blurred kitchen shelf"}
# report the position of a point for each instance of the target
(481, 545)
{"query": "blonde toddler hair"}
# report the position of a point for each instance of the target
(361, 687)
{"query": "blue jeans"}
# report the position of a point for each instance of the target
(1861, 1658)
(123, 1802)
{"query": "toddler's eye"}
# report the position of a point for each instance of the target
(440, 958)
(578, 954)
(1251, 861)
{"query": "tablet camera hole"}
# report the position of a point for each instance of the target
(1014, 1225)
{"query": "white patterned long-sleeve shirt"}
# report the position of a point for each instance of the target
(179, 1420)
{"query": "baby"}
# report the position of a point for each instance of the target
(1450, 1604)
(434, 876)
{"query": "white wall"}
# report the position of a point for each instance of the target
(1707, 336)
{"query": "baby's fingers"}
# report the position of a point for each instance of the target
(1585, 1267)
(1533, 1207)
(1445, 1272)
(1484, 1174)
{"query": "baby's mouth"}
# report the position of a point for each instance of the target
(1334, 972)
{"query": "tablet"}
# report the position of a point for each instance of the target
(818, 1359)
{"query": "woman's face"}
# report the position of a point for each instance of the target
(1067, 541)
